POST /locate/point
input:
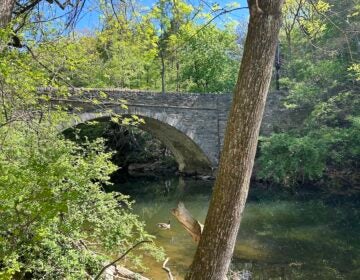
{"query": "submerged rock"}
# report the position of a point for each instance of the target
(240, 275)
(250, 252)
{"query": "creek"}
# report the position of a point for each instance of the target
(282, 235)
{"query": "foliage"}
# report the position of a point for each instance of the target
(320, 72)
(292, 159)
(56, 220)
(127, 52)
(60, 225)
(355, 68)
(210, 61)
(129, 144)
(337, 111)
(288, 159)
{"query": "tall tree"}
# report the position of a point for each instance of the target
(170, 15)
(222, 223)
(6, 8)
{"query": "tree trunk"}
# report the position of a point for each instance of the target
(6, 8)
(216, 246)
(162, 72)
(277, 67)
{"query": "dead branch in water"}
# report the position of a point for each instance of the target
(170, 277)
(191, 225)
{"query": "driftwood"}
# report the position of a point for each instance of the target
(164, 267)
(192, 226)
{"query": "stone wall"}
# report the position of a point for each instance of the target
(191, 125)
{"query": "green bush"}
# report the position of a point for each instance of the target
(326, 153)
(56, 220)
(288, 159)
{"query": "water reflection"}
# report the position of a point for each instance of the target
(281, 236)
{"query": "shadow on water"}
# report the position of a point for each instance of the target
(282, 236)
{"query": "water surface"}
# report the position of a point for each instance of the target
(282, 236)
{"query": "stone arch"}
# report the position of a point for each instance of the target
(190, 157)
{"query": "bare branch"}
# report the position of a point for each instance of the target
(47, 68)
(27, 8)
(114, 11)
(170, 276)
(224, 11)
(336, 26)
(119, 258)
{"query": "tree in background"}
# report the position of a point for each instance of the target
(133, 52)
(210, 60)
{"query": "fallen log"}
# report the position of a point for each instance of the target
(191, 225)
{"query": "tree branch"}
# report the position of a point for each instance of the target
(119, 258)
(191, 225)
(27, 8)
(215, 17)
(224, 11)
(336, 26)
(47, 68)
(170, 276)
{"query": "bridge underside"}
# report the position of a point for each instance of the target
(189, 156)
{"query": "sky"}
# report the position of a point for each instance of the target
(90, 18)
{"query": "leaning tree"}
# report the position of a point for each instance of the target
(222, 223)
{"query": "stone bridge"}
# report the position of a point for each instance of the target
(191, 125)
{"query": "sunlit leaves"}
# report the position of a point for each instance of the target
(355, 69)
(306, 15)
(322, 6)
(356, 12)
(315, 27)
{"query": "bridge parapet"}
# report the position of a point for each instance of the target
(150, 98)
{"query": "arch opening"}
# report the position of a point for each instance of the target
(189, 157)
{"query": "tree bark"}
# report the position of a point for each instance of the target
(216, 246)
(162, 71)
(6, 8)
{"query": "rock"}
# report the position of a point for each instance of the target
(122, 273)
(205, 177)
